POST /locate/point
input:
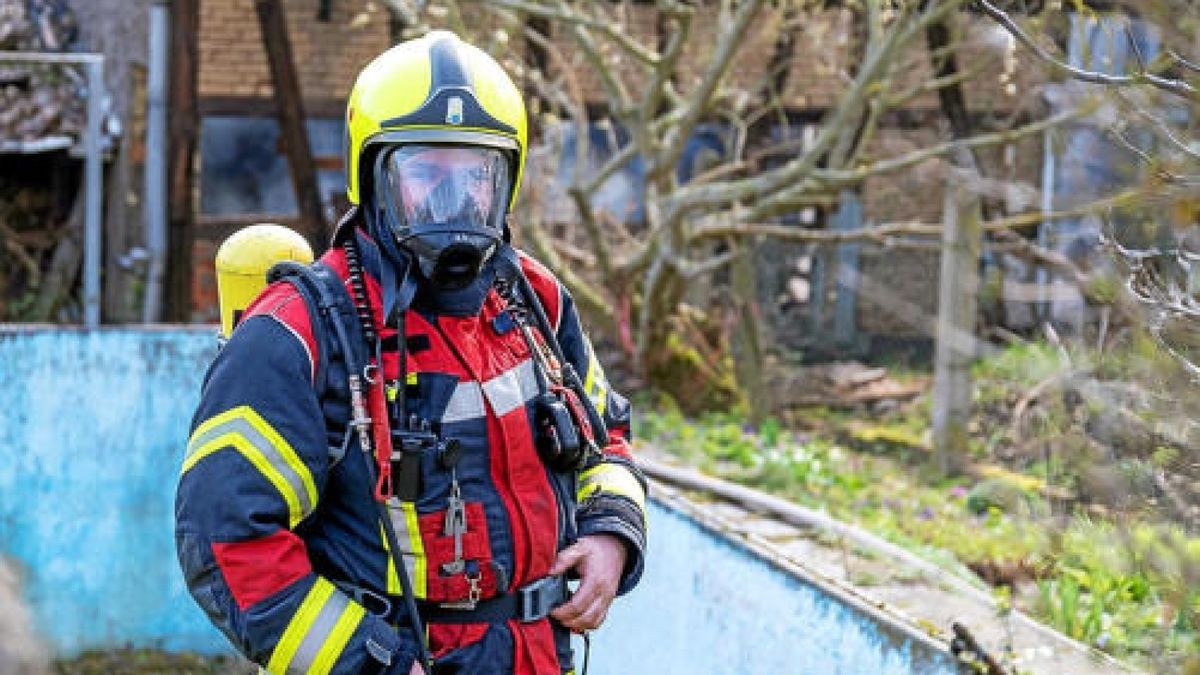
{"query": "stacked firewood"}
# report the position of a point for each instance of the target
(38, 101)
(36, 25)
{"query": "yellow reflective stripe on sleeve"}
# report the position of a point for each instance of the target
(594, 383)
(317, 634)
(298, 627)
(342, 631)
(247, 432)
(612, 479)
(408, 532)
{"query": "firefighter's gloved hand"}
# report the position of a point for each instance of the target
(598, 559)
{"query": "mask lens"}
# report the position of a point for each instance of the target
(431, 188)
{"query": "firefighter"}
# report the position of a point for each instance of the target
(419, 410)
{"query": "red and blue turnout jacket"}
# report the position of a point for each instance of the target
(277, 531)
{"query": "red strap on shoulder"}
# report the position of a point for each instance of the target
(382, 433)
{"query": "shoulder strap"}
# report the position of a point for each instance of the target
(328, 302)
(335, 325)
(512, 270)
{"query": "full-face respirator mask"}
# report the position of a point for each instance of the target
(445, 205)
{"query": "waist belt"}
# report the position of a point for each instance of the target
(526, 604)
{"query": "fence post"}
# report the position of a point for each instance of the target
(94, 177)
(849, 216)
(958, 299)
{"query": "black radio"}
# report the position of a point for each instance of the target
(558, 438)
(409, 445)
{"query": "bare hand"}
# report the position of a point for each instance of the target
(599, 560)
(416, 668)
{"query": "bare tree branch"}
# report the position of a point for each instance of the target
(1159, 125)
(1173, 85)
(685, 118)
(698, 197)
(839, 177)
(567, 15)
(884, 233)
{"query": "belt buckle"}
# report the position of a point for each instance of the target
(537, 599)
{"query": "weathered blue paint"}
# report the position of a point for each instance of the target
(708, 606)
(92, 430)
(92, 427)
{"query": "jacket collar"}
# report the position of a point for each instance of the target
(401, 283)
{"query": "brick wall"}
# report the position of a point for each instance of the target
(911, 194)
(637, 21)
(328, 55)
(899, 294)
(824, 41)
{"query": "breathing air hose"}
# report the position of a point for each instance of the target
(362, 308)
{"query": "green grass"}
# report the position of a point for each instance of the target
(1131, 589)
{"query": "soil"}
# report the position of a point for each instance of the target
(147, 661)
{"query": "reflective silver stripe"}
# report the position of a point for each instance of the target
(505, 392)
(239, 425)
(466, 403)
(511, 389)
(318, 633)
(405, 538)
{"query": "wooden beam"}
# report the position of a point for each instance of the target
(290, 108)
(183, 132)
(259, 106)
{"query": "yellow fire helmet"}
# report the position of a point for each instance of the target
(433, 90)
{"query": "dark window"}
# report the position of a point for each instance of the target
(243, 170)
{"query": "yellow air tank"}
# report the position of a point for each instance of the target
(243, 261)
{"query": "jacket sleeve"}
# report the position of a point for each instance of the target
(612, 492)
(254, 470)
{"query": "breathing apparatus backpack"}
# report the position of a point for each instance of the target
(243, 261)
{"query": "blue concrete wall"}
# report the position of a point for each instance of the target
(707, 606)
(92, 430)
